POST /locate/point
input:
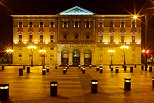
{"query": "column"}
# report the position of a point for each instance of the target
(70, 59)
(82, 58)
(59, 58)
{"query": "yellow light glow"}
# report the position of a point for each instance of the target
(106, 43)
(135, 17)
(31, 47)
(138, 43)
(46, 42)
(9, 51)
(36, 42)
(15, 42)
(25, 42)
(128, 43)
(124, 47)
(112, 51)
(117, 43)
(143, 51)
(42, 51)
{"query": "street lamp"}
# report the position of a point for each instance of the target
(10, 51)
(43, 57)
(111, 55)
(124, 47)
(32, 48)
(146, 52)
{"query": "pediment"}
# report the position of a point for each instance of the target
(76, 11)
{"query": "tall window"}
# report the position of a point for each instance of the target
(133, 24)
(65, 36)
(52, 24)
(30, 38)
(76, 24)
(76, 35)
(87, 24)
(51, 38)
(87, 36)
(111, 24)
(41, 38)
(100, 24)
(30, 24)
(122, 39)
(100, 35)
(111, 39)
(20, 24)
(65, 24)
(20, 38)
(41, 24)
(122, 24)
(133, 39)
(20, 56)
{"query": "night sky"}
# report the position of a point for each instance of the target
(52, 7)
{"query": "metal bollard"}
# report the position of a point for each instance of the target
(116, 69)
(101, 70)
(97, 68)
(146, 67)
(150, 69)
(4, 92)
(20, 71)
(152, 82)
(64, 71)
(83, 70)
(127, 84)
(2, 67)
(47, 69)
(90, 66)
(79, 66)
(94, 84)
(111, 68)
(53, 88)
(43, 71)
(142, 67)
(125, 67)
(28, 69)
(56, 66)
(131, 69)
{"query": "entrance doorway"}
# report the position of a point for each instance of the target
(87, 57)
(76, 57)
(64, 57)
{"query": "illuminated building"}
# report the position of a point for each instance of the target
(76, 36)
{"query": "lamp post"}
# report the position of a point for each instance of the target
(111, 55)
(124, 47)
(10, 51)
(146, 52)
(43, 57)
(32, 48)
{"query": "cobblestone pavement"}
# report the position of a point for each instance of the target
(75, 87)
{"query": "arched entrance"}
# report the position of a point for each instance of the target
(64, 57)
(76, 57)
(87, 57)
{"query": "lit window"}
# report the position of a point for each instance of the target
(51, 38)
(133, 39)
(20, 38)
(122, 39)
(100, 35)
(111, 39)
(41, 38)
(87, 24)
(30, 38)
(76, 24)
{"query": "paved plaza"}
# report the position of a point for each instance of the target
(75, 87)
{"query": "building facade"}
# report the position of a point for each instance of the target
(76, 36)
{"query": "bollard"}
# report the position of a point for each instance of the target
(2, 67)
(47, 69)
(64, 71)
(97, 68)
(24, 67)
(79, 66)
(101, 70)
(111, 67)
(146, 67)
(116, 69)
(83, 70)
(152, 82)
(28, 69)
(56, 66)
(94, 84)
(68, 66)
(150, 69)
(127, 84)
(43, 71)
(53, 88)
(142, 67)
(131, 69)
(90, 66)
(125, 67)
(4, 92)
(20, 71)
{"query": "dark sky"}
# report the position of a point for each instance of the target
(51, 7)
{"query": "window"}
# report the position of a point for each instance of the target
(122, 24)
(52, 24)
(111, 39)
(87, 36)
(100, 35)
(111, 24)
(65, 36)
(133, 39)
(133, 25)
(51, 38)
(30, 38)
(87, 24)
(41, 38)
(30, 24)
(20, 24)
(51, 48)
(76, 36)
(41, 24)
(100, 24)
(122, 39)
(20, 56)
(20, 38)
(76, 24)
(65, 24)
